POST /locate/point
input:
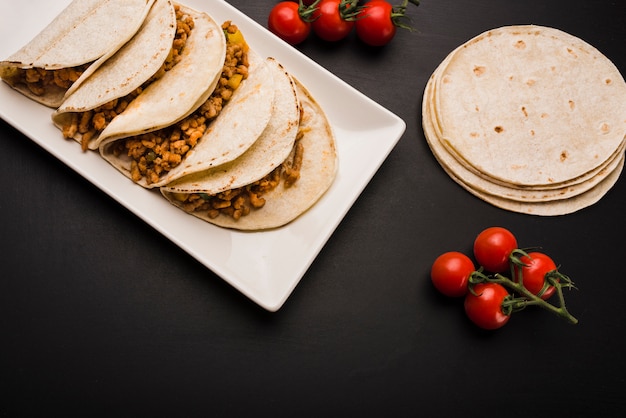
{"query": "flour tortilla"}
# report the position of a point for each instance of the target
(484, 186)
(466, 72)
(269, 151)
(551, 208)
(530, 106)
(86, 31)
(170, 98)
(237, 127)
(450, 157)
(130, 67)
(284, 204)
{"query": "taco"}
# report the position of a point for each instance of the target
(218, 131)
(64, 54)
(139, 88)
(265, 188)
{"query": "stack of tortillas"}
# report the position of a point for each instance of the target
(529, 119)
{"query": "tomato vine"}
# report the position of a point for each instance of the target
(534, 278)
(555, 278)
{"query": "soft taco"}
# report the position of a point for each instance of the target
(64, 54)
(218, 131)
(265, 188)
(148, 83)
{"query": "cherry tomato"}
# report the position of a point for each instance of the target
(450, 273)
(492, 249)
(286, 21)
(332, 19)
(374, 24)
(533, 275)
(484, 306)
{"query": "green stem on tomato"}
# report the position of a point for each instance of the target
(532, 299)
(307, 13)
(349, 10)
(399, 12)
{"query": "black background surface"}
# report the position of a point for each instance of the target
(100, 315)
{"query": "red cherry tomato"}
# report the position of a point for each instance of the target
(492, 249)
(374, 24)
(285, 21)
(484, 306)
(533, 274)
(332, 19)
(450, 273)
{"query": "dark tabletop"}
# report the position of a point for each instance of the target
(100, 315)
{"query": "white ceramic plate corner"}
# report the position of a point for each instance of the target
(255, 263)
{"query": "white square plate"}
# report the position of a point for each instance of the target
(264, 266)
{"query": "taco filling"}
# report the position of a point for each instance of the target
(39, 81)
(91, 122)
(155, 153)
(239, 202)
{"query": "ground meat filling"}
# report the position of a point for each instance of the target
(241, 201)
(155, 153)
(92, 122)
(39, 81)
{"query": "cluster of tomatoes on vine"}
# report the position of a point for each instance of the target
(374, 21)
(491, 297)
